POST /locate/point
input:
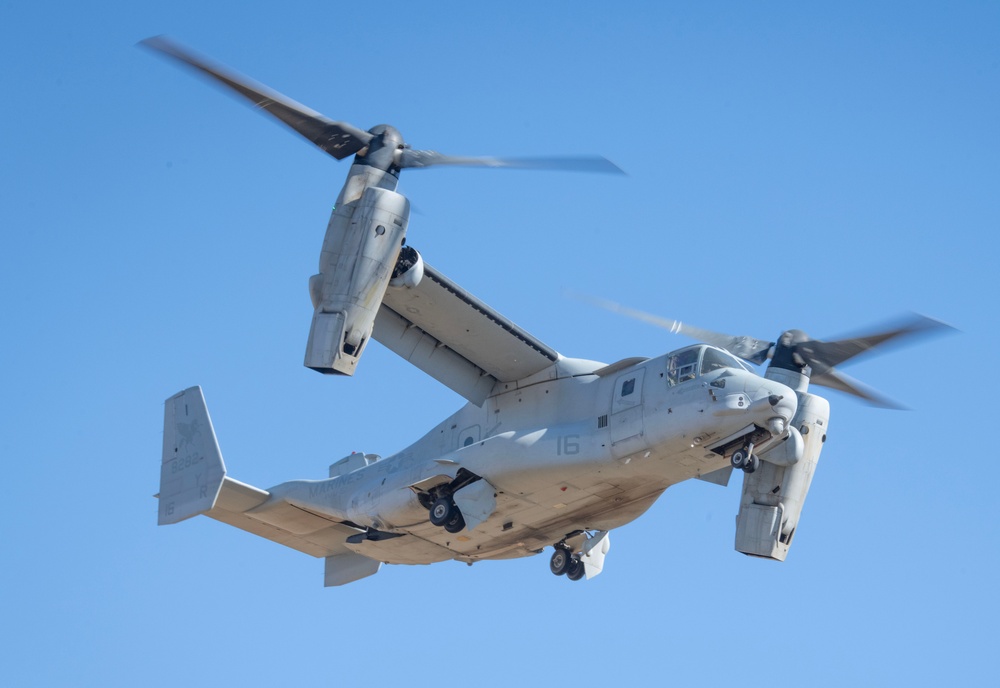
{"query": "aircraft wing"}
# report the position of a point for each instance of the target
(457, 339)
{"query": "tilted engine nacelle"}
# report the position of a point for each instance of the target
(359, 254)
(774, 494)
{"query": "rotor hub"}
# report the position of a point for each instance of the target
(786, 353)
(382, 151)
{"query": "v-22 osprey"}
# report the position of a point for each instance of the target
(550, 451)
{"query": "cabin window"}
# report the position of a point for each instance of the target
(627, 387)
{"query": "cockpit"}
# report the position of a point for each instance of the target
(687, 364)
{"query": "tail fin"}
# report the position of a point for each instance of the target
(192, 471)
(193, 481)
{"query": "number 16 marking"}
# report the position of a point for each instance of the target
(568, 445)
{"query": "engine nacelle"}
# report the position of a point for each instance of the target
(774, 494)
(359, 253)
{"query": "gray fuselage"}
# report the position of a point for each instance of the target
(579, 446)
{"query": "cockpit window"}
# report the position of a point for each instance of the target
(715, 359)
(682, 366)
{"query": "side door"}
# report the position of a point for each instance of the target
(626, 413)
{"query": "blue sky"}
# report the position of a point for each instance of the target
(788, 166)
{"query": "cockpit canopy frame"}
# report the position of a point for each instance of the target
(696, 360)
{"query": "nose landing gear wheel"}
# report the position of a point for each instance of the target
(745, 460)
(739, 458)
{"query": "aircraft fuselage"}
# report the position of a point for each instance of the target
(577, 447)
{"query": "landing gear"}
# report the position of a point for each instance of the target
(440, 501)
(563, 561)
(443, 510)
(560, 561)
(739, 458)
(446, 514)
(745, 459)
(456, 523)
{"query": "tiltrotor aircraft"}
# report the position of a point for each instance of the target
(550, 451)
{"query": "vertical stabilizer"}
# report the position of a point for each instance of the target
(192, 471)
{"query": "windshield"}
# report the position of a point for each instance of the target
(685, 364)
(716, 358)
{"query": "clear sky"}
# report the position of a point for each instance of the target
(788, 166)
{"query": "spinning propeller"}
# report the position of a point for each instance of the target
(381, 146)
(795, 350)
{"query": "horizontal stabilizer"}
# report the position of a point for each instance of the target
(193, 481)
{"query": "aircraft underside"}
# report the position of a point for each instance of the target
(425, 543)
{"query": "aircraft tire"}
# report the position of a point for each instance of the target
(456, 523)
(575, 571)
(560, 561)
(442, 511)
(739, 458)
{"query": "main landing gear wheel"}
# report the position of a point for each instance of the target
(575, 570)
(560, 561)
(443, 510)
(752, 465)
(456, 523)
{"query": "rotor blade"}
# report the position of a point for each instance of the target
(834, 379)
(822, 355)
(747, 348)
(336, 138)
(426, 158)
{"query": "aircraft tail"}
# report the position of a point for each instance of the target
(193, 481)
(192, 471)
